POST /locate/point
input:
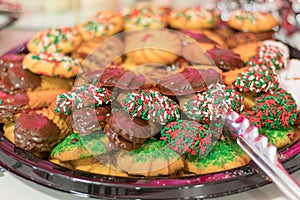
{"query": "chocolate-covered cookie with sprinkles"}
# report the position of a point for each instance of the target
(151, 105)
(274, 114)
(217, 99)
(256, 81)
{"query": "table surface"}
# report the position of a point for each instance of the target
(15, 188)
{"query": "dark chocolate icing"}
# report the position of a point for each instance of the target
(13, 78)
(35, 133)
(189, 81)
(128, 133)
(87, 120)
(225, 58)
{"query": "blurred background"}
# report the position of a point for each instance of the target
(41, 14)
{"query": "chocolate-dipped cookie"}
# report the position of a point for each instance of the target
(126, 132)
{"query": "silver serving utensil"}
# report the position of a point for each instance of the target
(261, 152)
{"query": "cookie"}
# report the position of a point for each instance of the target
(37, 137)
(192, 18)
(246, 51)
(63, 40)
(128, 133)
(189, 137)
(235, 39)
(93, 165)
(51, 64)
(99, 51)
(103, 24)
(151, 106)
(256, 81)
(86, 95)
(153, 158)
(159, 46)
(75, 147)
(222, 157)
(145, 17)
(276, 110)
(254, 22)
(218, 99)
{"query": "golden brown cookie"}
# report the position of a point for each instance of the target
(51, 64)
(93, 165)
(251, 21)
(192, 18)
(152, 46)
(64, 40)
(153, 158)
(222, 157)
(246, 50)
(145, 17)
(103, 24)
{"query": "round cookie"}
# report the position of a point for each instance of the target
(86, 95)
(254, 22)
(188, 137)
(146, 46)
(219, 98)
(275, 110)
(145, 17)
(271, 56)
(51, 64)
(75, 147)
(64, 40)
(94, 165)
(153, 158)
(222, 157)
(103, 24)
(151, 106)
(192, 18)
(126, 132)
(278, 137)
(38, 137)
(256, 81)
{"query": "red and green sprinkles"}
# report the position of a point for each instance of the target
(145, 17)
(56, 59)
(86, 95)
(268, 56)
(151, 106)
(256, 81)
(193, 14)
(52, 39)
(218, 99)
(276, 110)
(187, 137)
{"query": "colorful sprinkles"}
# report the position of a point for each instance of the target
(276, 110)
(187, 137)
(52, 40)
(82, 96)
(218, 99)
(194, 14)
(257, 81)
(151, 105)
(145, 17)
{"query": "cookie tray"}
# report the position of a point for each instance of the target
(29, 167)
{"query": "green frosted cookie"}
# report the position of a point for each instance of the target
(76, 147)
(222, 157)
(278, 137)
(153, 158)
